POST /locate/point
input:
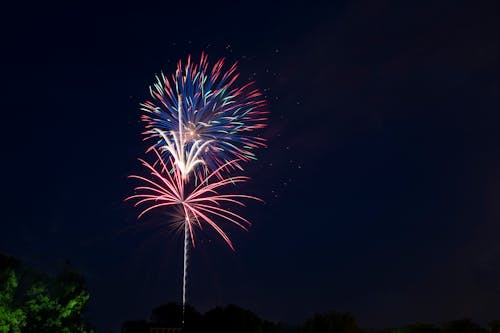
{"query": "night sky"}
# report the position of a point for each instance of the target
(381, 179)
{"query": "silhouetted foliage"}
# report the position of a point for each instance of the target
(232, 319)
(270, 327)
(494, 326)
(35, 303)
(170, 315)
(331, 322)
(418, 328)
(463, 326)
(12, 317)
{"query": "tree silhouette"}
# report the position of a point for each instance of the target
(418, 328)
(463, 326)
(170, 315)
(12, 316)
(232, 319)
(331, 322)
(494, 326)
(271, 327)
(31, 302)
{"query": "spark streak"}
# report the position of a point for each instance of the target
(219, 118)
(201, 203)
(202, 124)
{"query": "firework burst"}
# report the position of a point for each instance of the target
(200, 110)
(200, 204)
(202, 126)
(197, 204)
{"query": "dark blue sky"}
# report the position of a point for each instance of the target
(381, 178)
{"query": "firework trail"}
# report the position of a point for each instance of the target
(204, 108)
(202, 124)
(184, 271)
(201, 203)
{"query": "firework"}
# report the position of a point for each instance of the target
(199, 204)
(202, 126)
(201, 113)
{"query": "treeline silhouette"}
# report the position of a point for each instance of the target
(233, 319)
(36, 302)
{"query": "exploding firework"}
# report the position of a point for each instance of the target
(198, 204)
(202, 116)
(201, 203)
(203, 126)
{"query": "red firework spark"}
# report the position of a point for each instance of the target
(201, 203)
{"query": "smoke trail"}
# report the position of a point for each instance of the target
(184, 280)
